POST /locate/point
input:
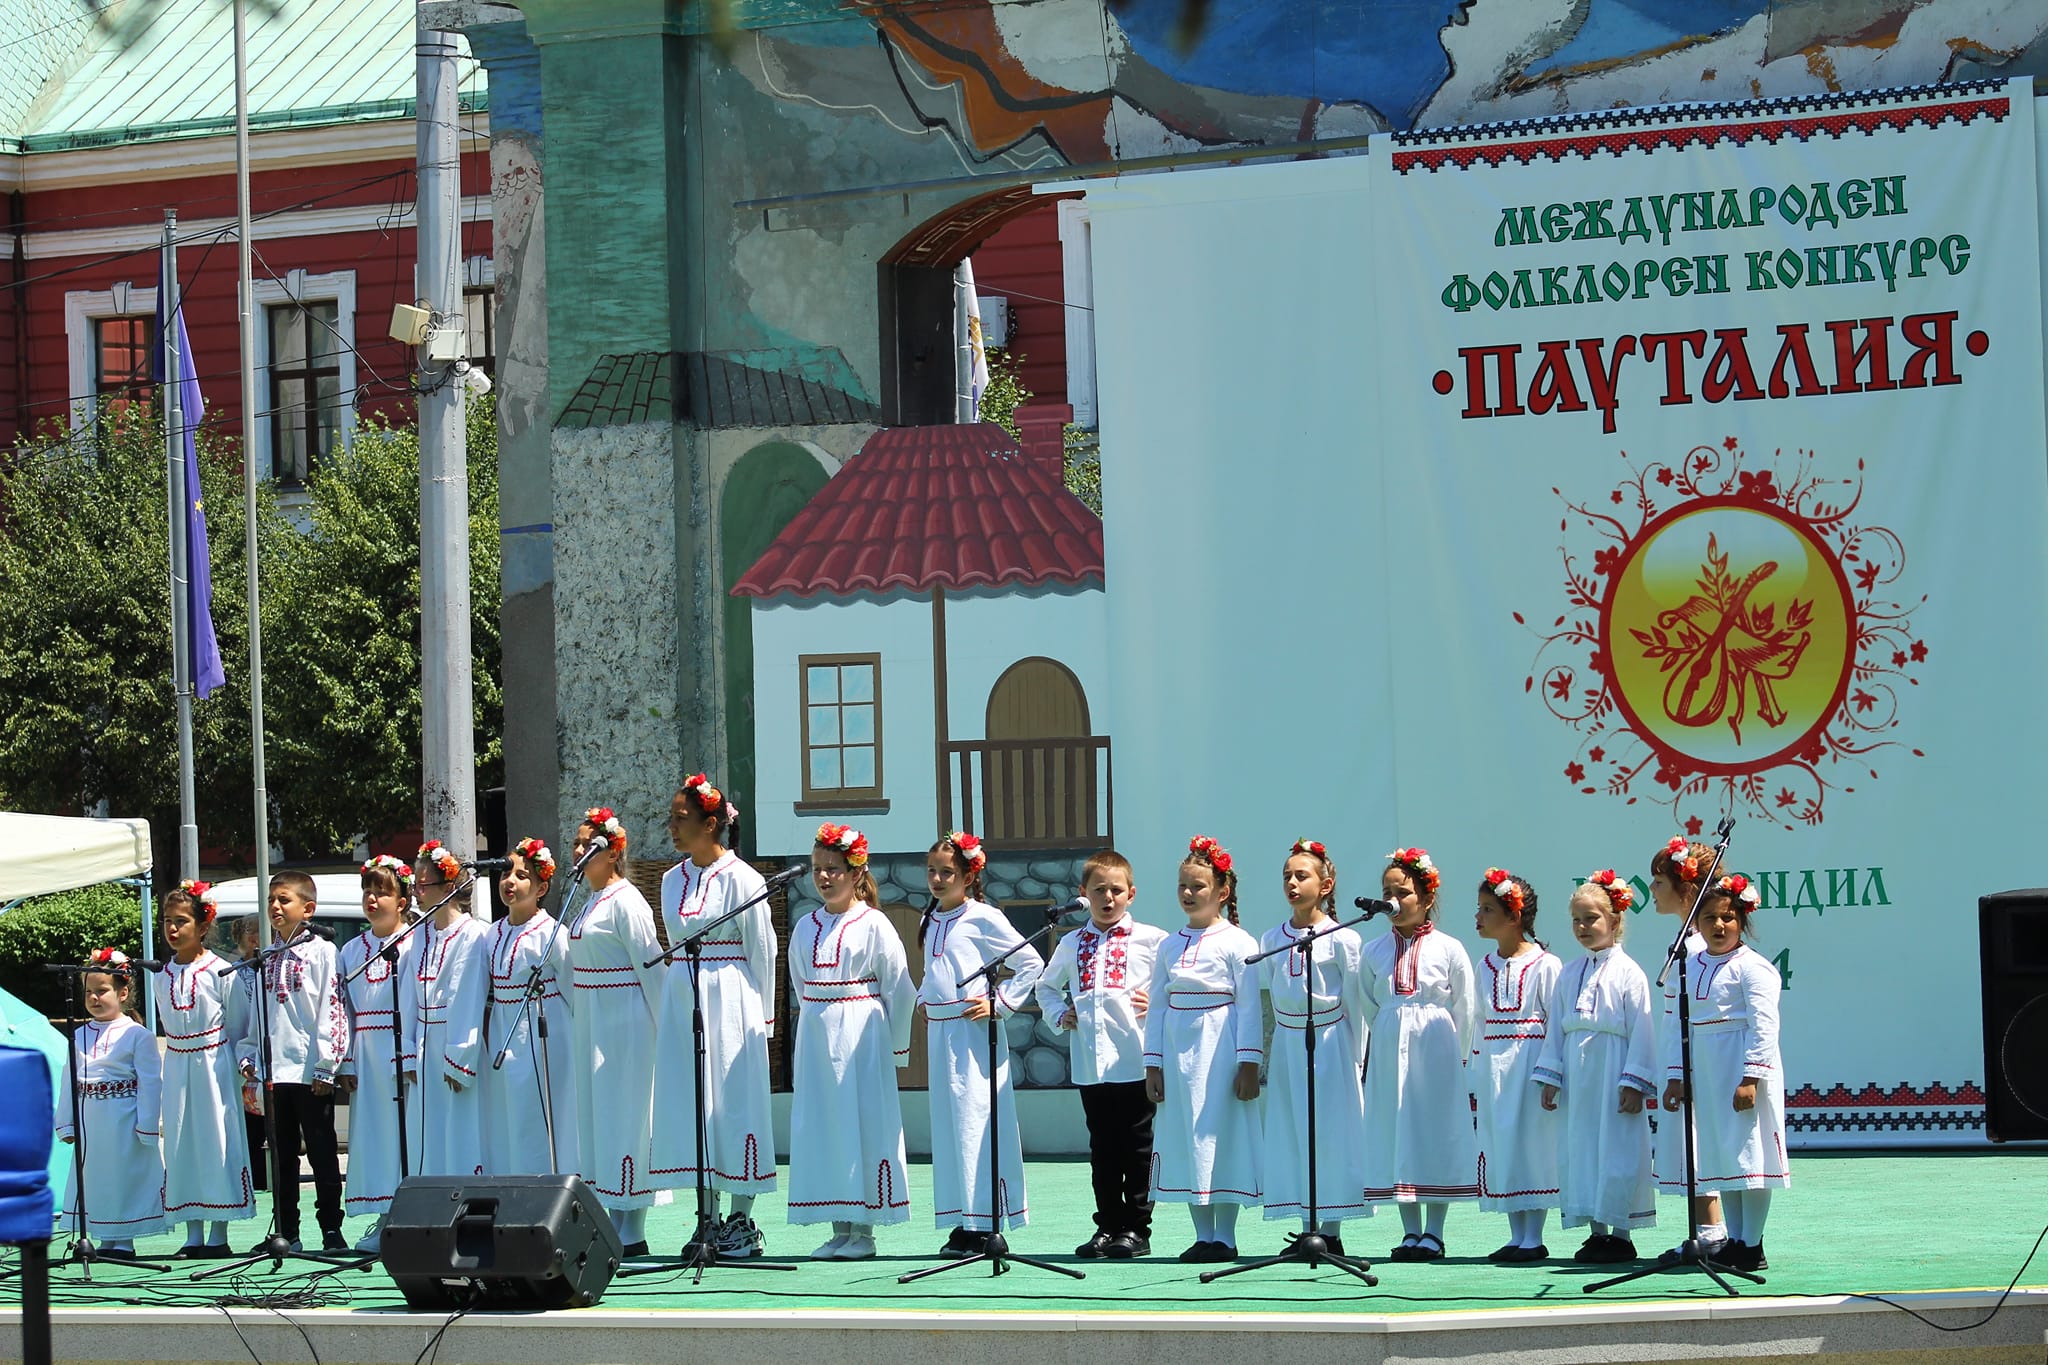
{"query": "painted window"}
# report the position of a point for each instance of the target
(480, 324)
(120, 360)
(305, 387)
(842, 726)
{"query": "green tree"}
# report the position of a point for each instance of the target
(341, 632)
(64, 928)
(999, 403)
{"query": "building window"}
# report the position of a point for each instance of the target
(305, 387)
(121, 371)
(480, 328)
(842, 727)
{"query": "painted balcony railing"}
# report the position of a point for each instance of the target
(1032, 793)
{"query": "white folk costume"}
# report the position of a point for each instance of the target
(1599, 1041)
(120, 1092)
(1419, 1144)
(383, 1018)
(1735, 1035)
(957, 943)
(737, 980)
(853, 1030)
(515, 1129)
(1203, 1020)
(1338, 1006)
(206, 1143)
(1094, 972)
(1667, 1145)
(302, 1008)
(613, 1003)
(1518, 1137)
(450, 984)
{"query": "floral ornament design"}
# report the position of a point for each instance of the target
(1619, 893)
(1209, 851)
(433, 852)
(1740, 888)
(968, 846)
(384, 862)
(200, 892)
(848, 840)
(601, 819)
(1312, 847)
(539, 857)
(709, 799)
(1505, 889)
(1684, 862)
(1417, 863)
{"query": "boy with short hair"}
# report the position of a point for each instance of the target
(1094, 987)
(309, 1040)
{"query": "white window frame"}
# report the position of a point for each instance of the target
(1077, 269)
(338, 288)
(82, 308)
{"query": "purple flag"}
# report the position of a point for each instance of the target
(205, 666)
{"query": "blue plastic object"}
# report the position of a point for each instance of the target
(27, 1204)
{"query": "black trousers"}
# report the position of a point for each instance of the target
(259, 1155)
(303, 1116)
(1120, 1155)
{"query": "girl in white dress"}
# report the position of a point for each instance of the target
(1737, 1071)
(1335, 1004)
(1600, 1056)
(383, 1019)
(852, 983)
(1419, 1148)
(1518, 1137)
(516, 1125)
(958, 934)
(613, 1003)
(1203, 1044)
(120, 1092)
(451, 983)
(206, 1146)
(737, 977)
(1675, 874)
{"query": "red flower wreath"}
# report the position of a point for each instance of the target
(1418, 865)
(1210, 852)
(848, 840)
(538, 857)
(969, 847)
(1683, 860)
(433, 852)
(1619, 893)
(1506, 889)
(1312, 847)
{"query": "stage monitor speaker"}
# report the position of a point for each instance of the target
(2012, 938)
(506, 1241)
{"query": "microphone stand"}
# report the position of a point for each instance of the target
(1690, 1255)
(276, 1248)
(996, 1250)
(426, 917)
(1311, 1248)
(529, 993)
(700, 1251)
(390, 952)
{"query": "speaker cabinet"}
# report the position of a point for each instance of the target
(508, 1241)
(2012, 936)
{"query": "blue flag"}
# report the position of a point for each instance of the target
(205, 666)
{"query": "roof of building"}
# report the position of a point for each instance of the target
(716, 389)
(933, 507)
(87, 73)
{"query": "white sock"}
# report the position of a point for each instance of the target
(217, 1233)
(118, 1244)
(630, 1223)
(195, 1233)
(1731, 1210)
(1331, 1227)
(1598, 1229)
(1226, 1224)
(1411, 1219)
(1205, 1221)
(1710, 1233)
(1527, 1227)
(854, 1230)
(743, 1206)
(1433, 1219)
(1756, 1208)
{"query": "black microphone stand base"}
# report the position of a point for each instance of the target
(1311, 1249)
(700, 1255)
(277, 1250)
(996, 1252)
(1689, 1255)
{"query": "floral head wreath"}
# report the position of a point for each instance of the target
(1740, 888)
(709, 799)
(601, 819)
(200, 892)
(1210, 852)
(969, 847)
(384, 862)
(1683, 861)
(1619, 893)
(847, 840)
(1506, 889)
(1416, 862)
(538, 857)
(112, 961)
(433, 852)
(1312, 848)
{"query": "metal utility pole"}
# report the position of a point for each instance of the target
(175, 419)
(447, 706)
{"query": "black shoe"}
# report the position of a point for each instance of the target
(1539, 1252)
(634, 1249)
(1127, 1246)
(1195, 1254)
(1334, 1242)
(1742, 1256)
(1754, 1255)
(334, 1241)
(956, 1245)
(1505, 1255)
(1405, 1251)
(189, 1253)
(1220, 1253)
(1611, 1251)
(1587, 1249)
(114, 1254)
(218, 1251)
(1095, 1248)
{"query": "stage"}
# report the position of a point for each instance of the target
(1941, 1234)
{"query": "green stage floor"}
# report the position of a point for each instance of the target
(1888, 1223)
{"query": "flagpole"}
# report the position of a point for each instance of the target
(246, 305)
(181, 549)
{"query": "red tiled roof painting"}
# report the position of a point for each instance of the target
(924, 507)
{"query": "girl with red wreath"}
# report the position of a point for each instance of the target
(1675, 874)
(1518, 1138)
(207, 1183)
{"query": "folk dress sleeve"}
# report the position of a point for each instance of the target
(1549, 1068)
(463, 1042)
(1760, 986)
(892, 983)
(1639, 1065)
(1247, 1018)
(1464, 1002)
(149, 1085)
(757, 929)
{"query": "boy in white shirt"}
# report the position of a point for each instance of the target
(1094, 987)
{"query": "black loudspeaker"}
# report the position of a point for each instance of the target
(2012, 936)
(506, 1241)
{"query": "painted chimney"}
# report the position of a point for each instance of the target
(1041, 433)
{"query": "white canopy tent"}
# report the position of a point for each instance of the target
(44, 853)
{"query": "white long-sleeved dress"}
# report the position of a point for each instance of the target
(515, 1127)
(737, 976)
(1518, 1137)
(451, 984)
(1667, 1143)
(120, 1091)
(853, 1031)
(613, 1010)
(206, 1144)
(383, 1018)
(1735, 1035)
(1419, 1143)
(1598, 1042)
(1339, 1008)
(957, 943)
(1202, 1021)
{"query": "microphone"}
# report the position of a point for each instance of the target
(590, 850)
(1726, 827)
(148, 964)
(1056, 914)
(789, 874)
(489, 865)
(317, 930)
(1373, 905)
